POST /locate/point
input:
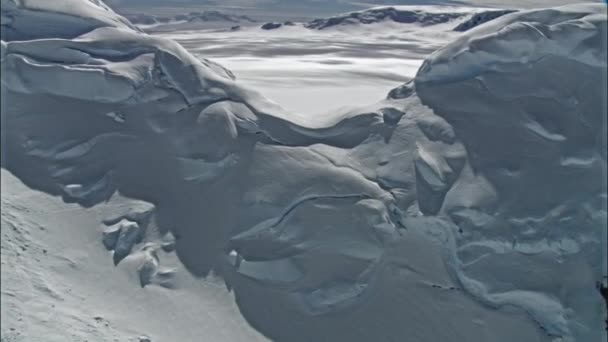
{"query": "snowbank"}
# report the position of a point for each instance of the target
(451, 211)
(33, 19)
(526, 94)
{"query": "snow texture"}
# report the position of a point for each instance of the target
(205, 16)
(470, 205)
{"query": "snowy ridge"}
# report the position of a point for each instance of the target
(459, 202)
(205, 16)
(30, 19)
(466, 18)
(481, 18)
(558, 33)
(403, 15)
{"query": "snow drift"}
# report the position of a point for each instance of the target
(470, 205)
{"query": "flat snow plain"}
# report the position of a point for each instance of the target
(313, 72)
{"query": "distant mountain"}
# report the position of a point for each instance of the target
(421, 15)
(272, 26)
(480, 18)
(204, 16)
(405, 15)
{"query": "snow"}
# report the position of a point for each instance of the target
(481, 18)
(150, 195)
(27, 19)
(422, 15)
(146, 20)
(293, 63)
(509, 40)
(60, 284)
(488, 63)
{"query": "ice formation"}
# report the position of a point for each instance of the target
(470, 205)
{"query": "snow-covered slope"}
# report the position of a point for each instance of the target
(59, 282)
(470, 205)
(481, 18)
(526, 94)
(32, 19)
(193, 17)
(295, 64)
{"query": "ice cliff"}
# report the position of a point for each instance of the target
(470, 205)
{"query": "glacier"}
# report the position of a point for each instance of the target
(468, 205)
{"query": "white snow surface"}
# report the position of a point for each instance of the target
(468, 205)
(335, 61)
(523, 39)
(59, 282)
(25, 19)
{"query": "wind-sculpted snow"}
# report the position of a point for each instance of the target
(32, 19)
(526, 94)
(469, 205)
